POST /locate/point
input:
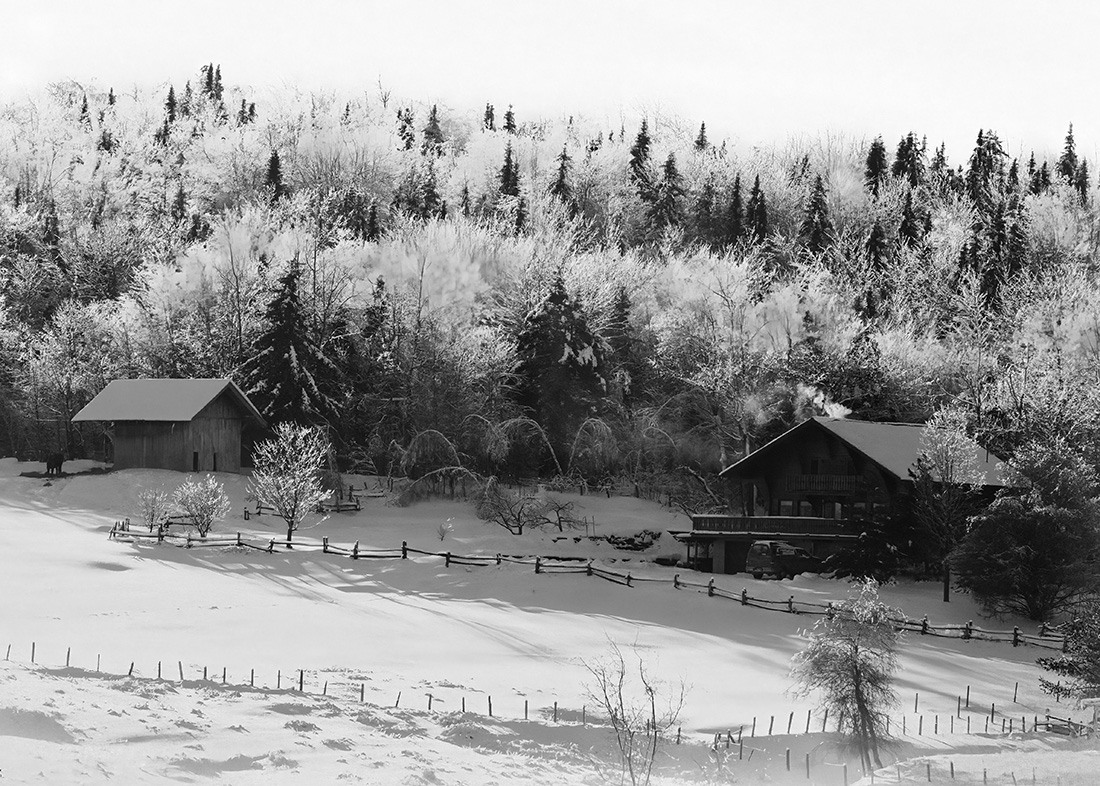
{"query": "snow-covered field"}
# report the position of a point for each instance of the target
(379, 628)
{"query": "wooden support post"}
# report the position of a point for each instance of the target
(1015, 635)
(362, 691)
(525, 709)
(180, 663)
(951, 764)
(928, 770)
(753, 732)
(825, 720)
(490, 706)
(959, 707)
(301, 679)
(7, 656)
(740, 750)
(920, 726)
(790, 605)
(32, 652)
(68, 652)
(429, 702)
(279, 679)
(1015, 693)
(556, 718)
(807, 766)
(936, 727)
(355, 550)
(324, 545)
(447, 561)
(992, 709)
(790, 722)
(204, 674)
(130, 673)
(968, 697)
(788, 759)
(808, 721)
(397, 703)
(223, 675)
(239, 534)
(771, 725)
(584, 714)
(158, 669)
(676, 581)
(710, 588)
(252, 678)
(405, 550)
(916, 700)
(96, 662)
(538, 564)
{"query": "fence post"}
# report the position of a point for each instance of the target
(498, 558)
(538, 564)
(271, 546)
(324, 545)
(238, 539)
(744, 596)
(1015, 635)
(589, 569)
(628, 580)
(710, 588)
(790, 605)
(404, 550)
(924, 625)
(676, 581)
(447, 561)
(968, 631)
(355, 550)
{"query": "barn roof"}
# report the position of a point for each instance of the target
(895, 447)
(162, 400)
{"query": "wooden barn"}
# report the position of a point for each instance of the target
(190, 425)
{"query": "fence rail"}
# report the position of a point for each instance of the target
(1046, 637)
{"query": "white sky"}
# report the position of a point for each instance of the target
(754, 71)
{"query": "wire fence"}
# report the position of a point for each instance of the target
(1047, 636)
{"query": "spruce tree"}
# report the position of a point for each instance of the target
(85, 119)
(560, 188)
(217, 88)
(432, 134)
(464, 204)
(179, 205)
(639, 161)
(757, 213)
(273, 179)
(816, 226)
(521, 214)
(242, 114)
(170, 105)
(909, 160)
(703, 215)
(876, 247)
(405, 128)
(1067, 162)
(288, 376)
(665, 211)
(510, 121)
(628, 375)
(735, 215)
(701, 143)
(111, 97)
(1081, 182)
(874, 174)
(509, 174)
(184, 108)
(909, 230)
(208, 80)
(489, 122)
(430, 198)
(374, 231)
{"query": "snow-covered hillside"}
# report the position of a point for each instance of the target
(377, 628)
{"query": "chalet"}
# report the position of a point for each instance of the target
(815, 486)
(190, 425)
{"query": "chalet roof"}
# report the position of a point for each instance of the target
(173, 400)
(895, 447)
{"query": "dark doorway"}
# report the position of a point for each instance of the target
(195, 461)
(736, 553)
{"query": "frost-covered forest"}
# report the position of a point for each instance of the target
(522, 296)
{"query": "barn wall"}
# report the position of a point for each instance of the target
(155, 445)
(216, 435)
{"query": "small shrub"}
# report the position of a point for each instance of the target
(203, 501)
(155, 505)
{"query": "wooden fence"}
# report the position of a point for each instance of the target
(1047, 637)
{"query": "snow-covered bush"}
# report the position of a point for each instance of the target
(288, 473)
(203, 501)
(155, 505)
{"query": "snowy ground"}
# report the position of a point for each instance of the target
(374, 629)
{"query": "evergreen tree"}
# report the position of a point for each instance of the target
(1012, 184)
(985, 173)
(521, 215)
(464, 205)
(560, 188)
(874, 174)
(170, 105)
(816, 226)
(184, 108)
(217, 88)
(430, 198)
(628, 376)
(510, 121)
(509, 174)
(560, 378)
(244, 117)
(664, 211)
(701, 143)
(909, 160)
(405, 128)
(273, 179)
(876, 247)
(1067, 162)
(432, 134)
(85, 119)
(1081, 182)
(162, 134)
(489, 122)
(208, 80)
(757, 213)
(179, 205)
(288, 376)
(1040, 180)
(639, 161)
(111, 97)
(909, 230)
(374, 231)
(735, 215)
(938, 167)
(703, 215)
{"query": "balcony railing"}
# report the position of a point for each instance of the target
(828, 484)
(775, 525)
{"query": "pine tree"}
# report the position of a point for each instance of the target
(560, 188)
(757, 213)
(701, 143)
(521, 215)
(242, 114)
(876, 247)
(1067, 162)
(111, 97)
(1081, 182)
(816, 226)
(985, 173)
(374, 231)
(464, 204)
(273, 179)
(665, 209)
(405, 128)
(430, 198)
(170, 105)
(208, 80)
(909, 230)
(489, 122)
(510, 121)
(703, 214)
(639, 161)
(628, 366)
(217, 88)
(288, 376)
(1012, 184)
(184, 108)
(909, 160)
(735, 215)
(560, 377)
(432, 134)
(179, 205)
(509, 174)
(85, 119)
(874, 174)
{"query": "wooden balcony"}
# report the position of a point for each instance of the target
(764, 526)
(823, 484)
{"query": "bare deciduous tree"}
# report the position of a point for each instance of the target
(203, 501)
(287, 474)
(638, 709)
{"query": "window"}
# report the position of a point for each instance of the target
(805, 508)
(828, 510)
(786, 507)
(859, 510)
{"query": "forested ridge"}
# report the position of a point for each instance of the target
(442, 287)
